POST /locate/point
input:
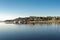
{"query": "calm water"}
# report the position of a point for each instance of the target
(29, 32)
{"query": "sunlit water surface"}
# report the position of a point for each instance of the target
(29, 31)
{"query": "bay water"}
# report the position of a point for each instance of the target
(29, 31)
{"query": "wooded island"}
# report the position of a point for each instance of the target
(34, 20)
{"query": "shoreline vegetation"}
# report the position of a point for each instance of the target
(34, 20)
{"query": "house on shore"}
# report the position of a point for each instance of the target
(17, 21)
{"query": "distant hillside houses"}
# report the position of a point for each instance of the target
(33, 19)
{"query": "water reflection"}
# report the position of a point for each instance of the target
(29, 31)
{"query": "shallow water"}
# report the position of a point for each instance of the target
(29, 31)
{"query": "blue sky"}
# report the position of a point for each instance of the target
(10, 9)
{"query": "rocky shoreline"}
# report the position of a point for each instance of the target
(34, 20)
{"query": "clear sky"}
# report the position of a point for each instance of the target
(10, 9)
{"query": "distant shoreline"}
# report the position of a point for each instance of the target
(34, 20)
